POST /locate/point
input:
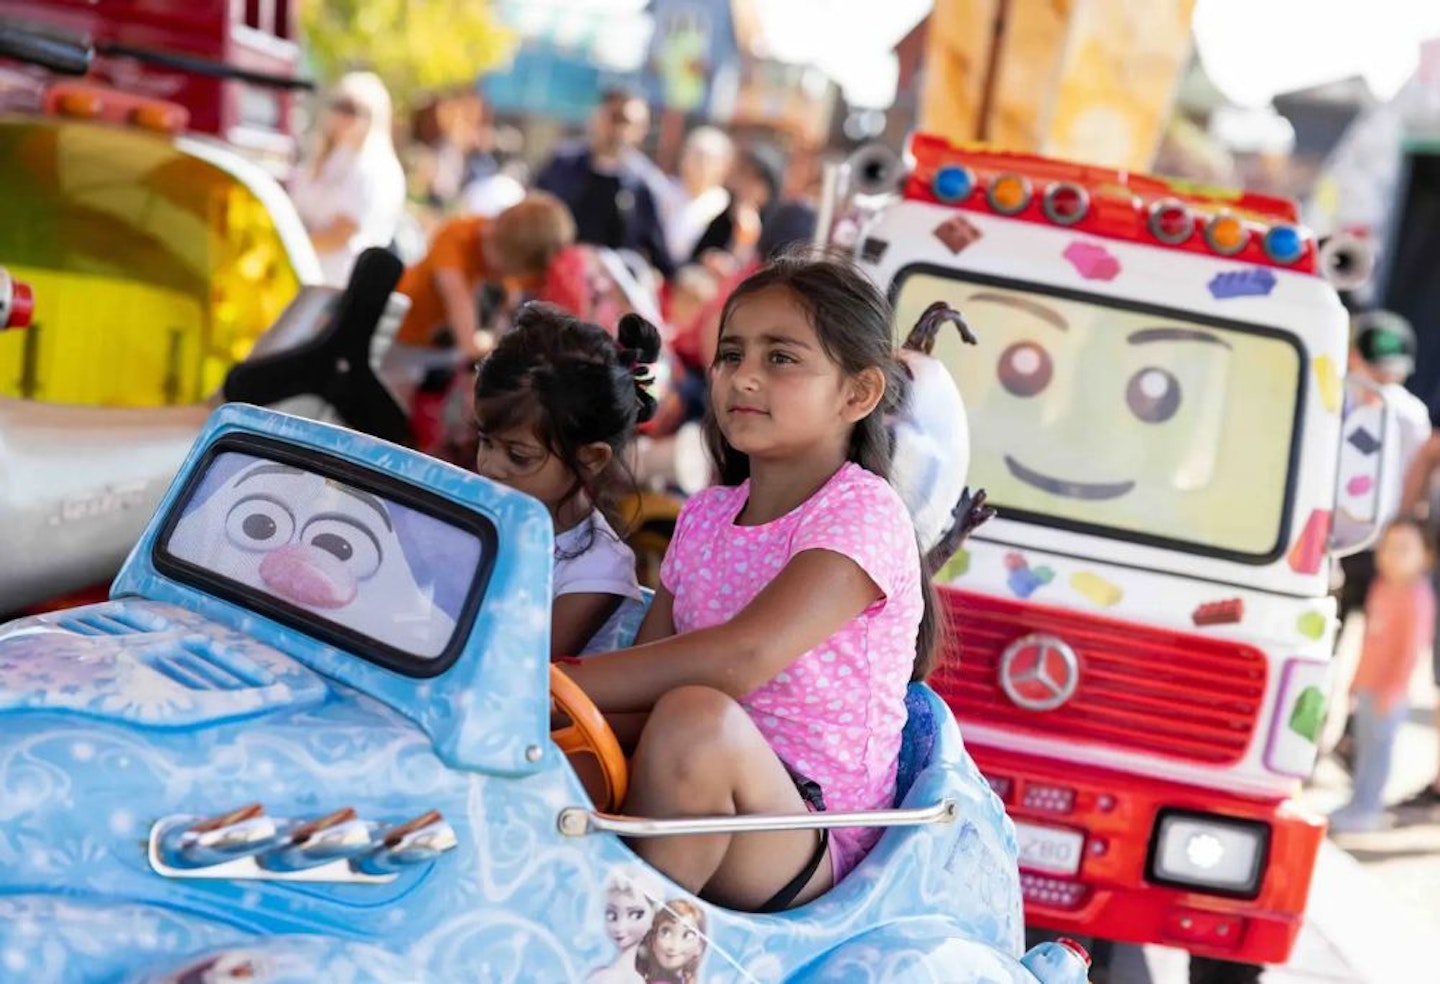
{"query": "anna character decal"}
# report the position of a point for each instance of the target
(672, 951)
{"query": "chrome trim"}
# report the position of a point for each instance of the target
(246, 844)
(240, 839)
(414, 847)
(1059, 690)
(248, 868)
(577, 821)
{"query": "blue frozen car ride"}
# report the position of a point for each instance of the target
(307, 739)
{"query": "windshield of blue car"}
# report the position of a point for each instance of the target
(328, 553)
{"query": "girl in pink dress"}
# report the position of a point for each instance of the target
(770, 673)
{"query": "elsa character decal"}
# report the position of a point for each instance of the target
(331, 549)
(630, 903)
(673, 949)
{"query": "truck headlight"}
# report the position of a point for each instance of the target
(1211, 853)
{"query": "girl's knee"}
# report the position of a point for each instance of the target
(703, 713)
(694, 726)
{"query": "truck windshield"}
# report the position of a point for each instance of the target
(1119, 419)
(325, 555)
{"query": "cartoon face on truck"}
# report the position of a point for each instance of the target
(1121, 418)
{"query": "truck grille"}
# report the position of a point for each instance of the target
(1157, 691)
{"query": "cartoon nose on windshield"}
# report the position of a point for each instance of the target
(308, 575)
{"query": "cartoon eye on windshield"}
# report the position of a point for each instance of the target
(1153, 395)
(350, 542)
(1025, 368)
(259, 523)
(367, 564)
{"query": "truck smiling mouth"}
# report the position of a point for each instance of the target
(1072, 490)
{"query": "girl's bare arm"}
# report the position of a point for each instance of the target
(659, 619)
(575, 618)
(815, 594)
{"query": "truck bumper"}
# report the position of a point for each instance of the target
(1145, 846)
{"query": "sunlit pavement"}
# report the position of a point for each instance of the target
(1374, 912)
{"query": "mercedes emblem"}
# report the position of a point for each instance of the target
(1039, 672)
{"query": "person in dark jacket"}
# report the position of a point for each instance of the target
(609, 185)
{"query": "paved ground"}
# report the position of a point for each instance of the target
(1375, 899)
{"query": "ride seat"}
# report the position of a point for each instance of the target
(917, 740)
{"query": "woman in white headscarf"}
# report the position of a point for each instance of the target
(351, 193)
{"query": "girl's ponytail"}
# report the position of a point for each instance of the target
(639, 348)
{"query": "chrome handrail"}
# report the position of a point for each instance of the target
(577, 821)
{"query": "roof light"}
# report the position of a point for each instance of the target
(1284, 244)
(1171, 222)
(953, 183)
(165, 117)
(79, 103)
(1226, 234)
(1065, 203)
(1008, 194)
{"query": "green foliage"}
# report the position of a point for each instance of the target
(414, 45)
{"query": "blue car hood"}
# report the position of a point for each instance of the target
(146, 664)
(118, 715)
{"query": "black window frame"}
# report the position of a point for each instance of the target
(387, 487)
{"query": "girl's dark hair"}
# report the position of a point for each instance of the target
(575, 385)
(1410, 522)
(852, 320)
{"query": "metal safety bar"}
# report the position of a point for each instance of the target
(576, 821)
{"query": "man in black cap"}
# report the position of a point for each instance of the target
(1382, 350)
(1385, 346)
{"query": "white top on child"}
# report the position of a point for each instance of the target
(604, 565)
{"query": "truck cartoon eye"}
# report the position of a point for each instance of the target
(347, 541)
(1153, 395)
(1025, 368)
(259, 523)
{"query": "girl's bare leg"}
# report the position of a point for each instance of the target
(701, 755)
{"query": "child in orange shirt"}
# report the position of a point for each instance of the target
(514, 247)
(1399, 625)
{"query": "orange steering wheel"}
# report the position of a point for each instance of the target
(588, 733)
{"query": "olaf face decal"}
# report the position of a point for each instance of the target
(341, 553)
